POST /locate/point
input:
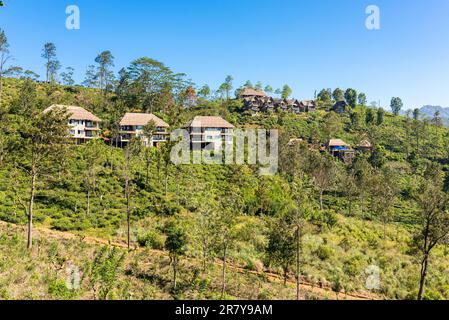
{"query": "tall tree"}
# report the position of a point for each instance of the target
(41, 149)
(204, 92)
(91, 77)
(131, 152)
(396, 105)
(432, 223)
(338, 95)
(67, 76)
(92, 156)
(52, 64)
(176, 246)
(4, 57)
(269, 89)
(105, 76)
(362, 99)
(225, 222)
(281, 249)
(351, 97)
(437, 120)
(286, 92)
(226, 87)
(152, 86)
(248, 84)
(324, 96)
(380, 116)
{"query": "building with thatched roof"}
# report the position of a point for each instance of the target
(365, 146)
(210, 132)
(84, 125)
(250, 93)
(133, 125)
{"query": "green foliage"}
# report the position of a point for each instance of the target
(103, 272)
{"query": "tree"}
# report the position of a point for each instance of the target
(52, 64)
(259, 86)
(176, 246)
(281, 249)
(4, 57)
(351, 97)
(396, 105)
(41, 149)
(226, 87)
(103, 273)
(225, 221)
(383, 196)
(269, 89)
(204, 92)
(338, 95)
(67, 76)
(92, 156)
(248, 84)
(91, 77)
(131, 151)
(437, 120)
(152, 86)
(432, 224)
(369, 116)
(362, 99)
(380, 116)
(323, 174)
(324, 96)
(105, 76)
(416, 114)
(148, 131)
(286, 92)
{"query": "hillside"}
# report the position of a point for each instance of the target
(353, 216)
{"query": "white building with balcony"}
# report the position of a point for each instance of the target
(84, 125)
(133, 124)
(210, 132)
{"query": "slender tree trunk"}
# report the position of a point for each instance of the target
(422, 280)
(298, 271)
(128, 212)
(223, 272)
(285, 276)
(175, 271)
(1, 85)
(88, 202)
(321, 199)
(30, 210)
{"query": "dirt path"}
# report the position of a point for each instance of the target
(305, 286)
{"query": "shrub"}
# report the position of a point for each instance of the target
(152, 239)
(58, 290)
(324, 252)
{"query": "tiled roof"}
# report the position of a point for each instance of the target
(142, 119)
(75, 113)
(209, 122)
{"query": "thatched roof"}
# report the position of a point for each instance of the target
(142, 119)
(337, 143)
(209, 122)
(75, 113)
(252, 93)
(365, 144)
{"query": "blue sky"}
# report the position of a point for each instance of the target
(308, 44)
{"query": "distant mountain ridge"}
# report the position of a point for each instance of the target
(429, 111)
